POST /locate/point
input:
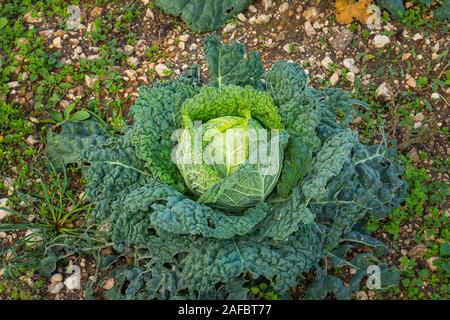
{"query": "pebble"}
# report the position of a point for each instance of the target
(350, 77)
(283, 7)
(417, 125)
(55, 288)
(435, 96)
(311, 14)
(309, 29)
(267, 4)
(31, 141)
(403, 252)
(161, 70)
(361, 295)
(57, 277)
(262, 18)
(74, 42)
(252, 9)
(131, 74)
(379, 41)
(184, 37)
(241, 17)
(128, 49)
(149, 14)
(132, 61)
(96, 12)
(90, 81)
(383, 93)
(109, 283)
(410, 81)
(419, 117)
(57, 42)
(417, 37)
(349, 63)
(334, 79)
(326, 63)
(13, 84)
(417, 251)
(30, 18)
(73, 282)
(230, 27)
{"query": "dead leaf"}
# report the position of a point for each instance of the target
(417, 251)
(347, 10)
(430, 263)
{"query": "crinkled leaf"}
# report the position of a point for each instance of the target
(75, 137)
(228, 64)
(203, 15)
(395, 7)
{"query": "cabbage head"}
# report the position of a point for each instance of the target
(252, 176)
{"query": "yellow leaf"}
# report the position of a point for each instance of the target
(347, 10)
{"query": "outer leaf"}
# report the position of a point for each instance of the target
(203, 15)
(443, 13)
(326, 285)
(228, 64)
(395, 7)
(75, 137)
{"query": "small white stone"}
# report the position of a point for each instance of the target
(182, 45)
(57, 277)
(334, 79)
(417, 125)
(73, 282)
(419, 117)
(379, 41)
(310, 31)
(262, 18)
(131, 74)
(350, 65)
(132, 61)
(310, 14)
(252, 9)
(149, 14)
(229, 28)
(267, 4)
(128, 49)
(410, 81)
(383, 92)
(13, 84)
(31, 141)
(184, 37)
(350, 77)
(435, 96)
(57, 42)
(90, 81)
(55, 287)
(241, 17)
(417, 37)
(161, 70)
(326, 63)
(3, 213)
(283, 7)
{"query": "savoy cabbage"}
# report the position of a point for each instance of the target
(189, 239)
